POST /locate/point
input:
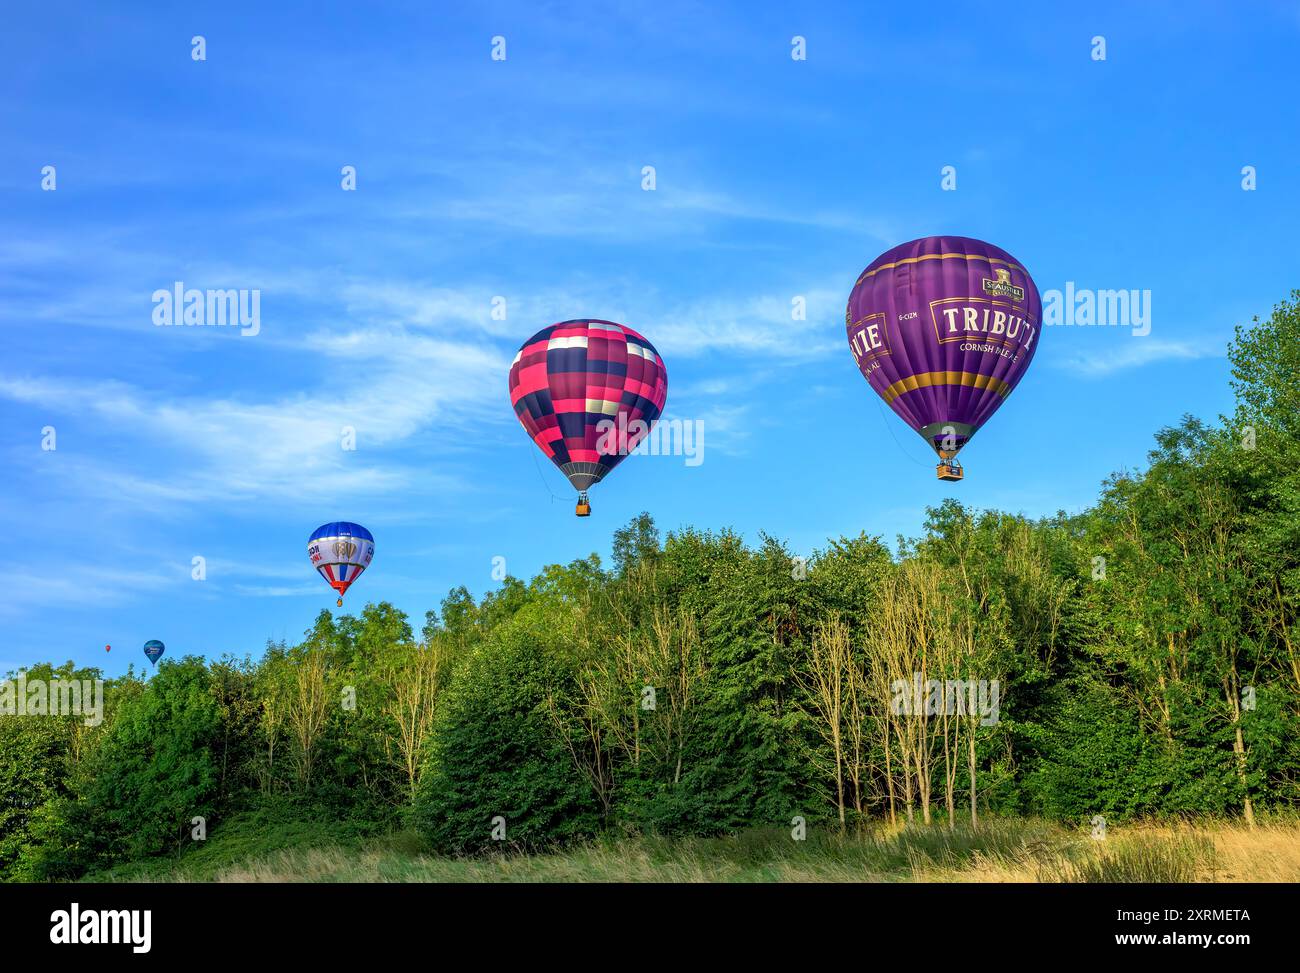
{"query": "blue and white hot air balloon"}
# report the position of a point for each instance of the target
(340, 552)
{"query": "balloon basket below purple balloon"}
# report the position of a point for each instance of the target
(950, 470)
(583, 509)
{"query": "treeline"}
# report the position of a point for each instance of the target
(1139, 659)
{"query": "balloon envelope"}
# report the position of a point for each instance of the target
(154, 649)
(340, 552)
(587, 392)
(943, 328)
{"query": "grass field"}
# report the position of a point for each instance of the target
(998, 851)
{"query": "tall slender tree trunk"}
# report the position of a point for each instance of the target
(909, 786)
(889, 782)
(949, 770)
(970, 764)
(1231, 688)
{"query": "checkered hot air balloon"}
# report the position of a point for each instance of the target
(340, 552)
(944, 328)
(587, 392)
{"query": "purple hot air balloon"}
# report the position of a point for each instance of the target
(943, 328)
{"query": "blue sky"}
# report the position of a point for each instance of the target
(522, 179)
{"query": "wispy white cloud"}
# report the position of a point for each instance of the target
(221, 568)
(1126, 351)
(38, 587)
(609, 204)
(279, 591)
(727, 428)
(390, 387)
(762, 325)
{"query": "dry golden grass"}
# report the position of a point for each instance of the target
(997, 851)
(1187, 852)
(1269, 852)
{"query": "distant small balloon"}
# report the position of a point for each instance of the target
(108, 648)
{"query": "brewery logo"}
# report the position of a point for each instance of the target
(1002, 287)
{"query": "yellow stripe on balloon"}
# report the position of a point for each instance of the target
(927, 379)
